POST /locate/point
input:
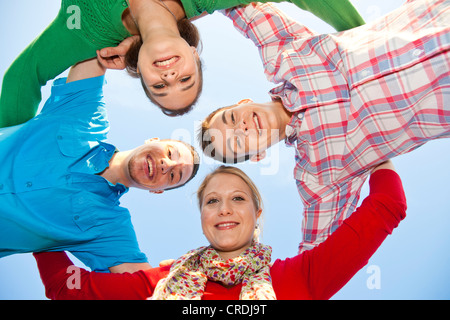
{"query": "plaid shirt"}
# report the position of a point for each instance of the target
(359, 97)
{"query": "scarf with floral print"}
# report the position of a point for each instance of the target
(188, 276)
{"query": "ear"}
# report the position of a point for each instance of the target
(258, 214)
(156, 191)
(244, 101)
(258, 157)
(151, 140)
(195, 52)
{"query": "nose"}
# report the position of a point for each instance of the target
(169, 74)
(166, 165)
(242, 126)
(225, 209)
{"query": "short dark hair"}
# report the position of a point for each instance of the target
(189, 32)
(195, 159)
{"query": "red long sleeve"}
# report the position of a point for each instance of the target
(64, 281)
(321, 272)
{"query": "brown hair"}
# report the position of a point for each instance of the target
(189, 32)
(195, 161)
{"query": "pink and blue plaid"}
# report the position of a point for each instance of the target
(359, 97)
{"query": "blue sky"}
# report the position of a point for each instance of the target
(413, 262)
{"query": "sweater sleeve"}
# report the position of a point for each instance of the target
(341, 14)
(64, 281)
(326, 268)
(56, 49)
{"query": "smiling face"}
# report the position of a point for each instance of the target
(159, 165)
(228, 214)
(247, 128)
(171, 73)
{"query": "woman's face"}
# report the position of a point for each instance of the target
(228, 214)
(169, 68)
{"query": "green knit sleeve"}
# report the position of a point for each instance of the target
(340, 14)
(54, 51)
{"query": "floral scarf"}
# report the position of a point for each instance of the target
(188, 276)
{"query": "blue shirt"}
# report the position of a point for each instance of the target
(50, 194)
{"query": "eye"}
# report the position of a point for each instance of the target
(238, 142)
(171, 176)
(159, 86)
(238, 198)
(185, 79)
(169, 154)
(212, 201)
(232, 118)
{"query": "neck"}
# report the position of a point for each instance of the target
(283, 116)
(226, 255)
(115, 172)
(151, 15)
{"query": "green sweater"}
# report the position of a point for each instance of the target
(340, 14)
(84, 26)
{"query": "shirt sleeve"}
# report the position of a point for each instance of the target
(64, 281)
(326, 207)
(115, 244)
(329, 266)
(341, 14)
(54, 51)
(270, 30)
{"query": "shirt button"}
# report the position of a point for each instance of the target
(314, 99)
(417, 52)
(76, 218)
(300, 115)
(124, 4)
(365, 72)
(29, 184)
(59, 137)
(68, 177)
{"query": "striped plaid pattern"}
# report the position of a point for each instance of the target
(359, 97)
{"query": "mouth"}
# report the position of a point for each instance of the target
(226, 225)
(150, 167)
(166, 63)
(257, 122)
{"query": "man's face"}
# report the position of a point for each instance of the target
(160, 165)
(247, 128)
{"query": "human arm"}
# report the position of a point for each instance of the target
(341, 14)
(55, 50)
(329, 266)
(271, 31)
(86, 69)
(64, 281)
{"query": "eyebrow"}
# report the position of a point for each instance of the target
(165, 94)
(181, 171)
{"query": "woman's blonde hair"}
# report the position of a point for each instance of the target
(256, 196)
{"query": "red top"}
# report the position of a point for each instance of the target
(315, 274)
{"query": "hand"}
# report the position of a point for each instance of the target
(114, 57)
(384, 165)
(166, 263)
